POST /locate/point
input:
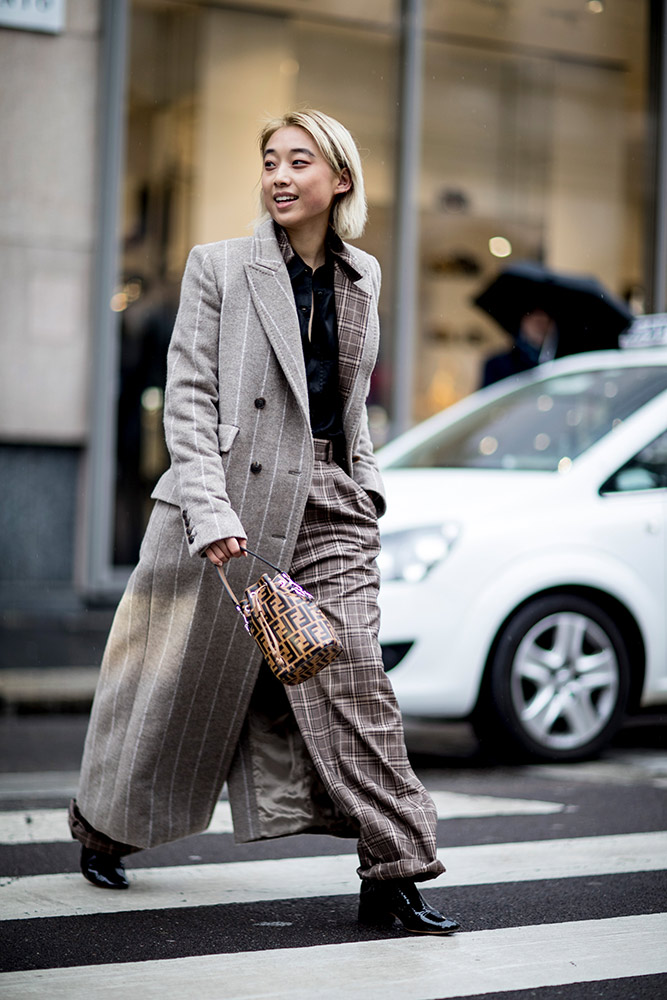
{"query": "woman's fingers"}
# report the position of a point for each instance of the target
(215, 554)
(234, 547)
(225, 549)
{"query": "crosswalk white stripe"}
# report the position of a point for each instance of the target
(515, 958)
(302, 877)
(33, 826)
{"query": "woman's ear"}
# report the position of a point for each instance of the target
(344, 182)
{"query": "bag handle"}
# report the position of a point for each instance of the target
(225, 581)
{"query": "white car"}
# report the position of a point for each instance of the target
(524, 561)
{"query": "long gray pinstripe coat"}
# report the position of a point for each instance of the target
(179, 670)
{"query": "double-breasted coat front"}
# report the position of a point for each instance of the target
(179, 669)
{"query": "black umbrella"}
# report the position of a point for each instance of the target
(588, 316)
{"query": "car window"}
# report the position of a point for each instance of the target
(646, 471)
(542, 426)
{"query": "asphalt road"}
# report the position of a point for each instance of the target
(556, 874)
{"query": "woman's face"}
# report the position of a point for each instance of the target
(298, 185)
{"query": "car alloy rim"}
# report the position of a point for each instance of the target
(564, 681)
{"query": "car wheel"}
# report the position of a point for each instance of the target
(557, 684)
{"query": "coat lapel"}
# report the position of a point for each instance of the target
(273, 298)
(352, 309)
(358, 336)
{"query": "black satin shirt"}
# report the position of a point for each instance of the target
(314, 290)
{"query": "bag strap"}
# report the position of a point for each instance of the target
(225, 581)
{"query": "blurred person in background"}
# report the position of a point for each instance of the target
(536, 342)
(549, 314)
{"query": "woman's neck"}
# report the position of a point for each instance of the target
(309, 244)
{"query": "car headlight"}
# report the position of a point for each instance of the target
(411, 555)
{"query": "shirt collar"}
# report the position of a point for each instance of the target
(335, 249)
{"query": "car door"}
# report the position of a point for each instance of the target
(637, 495)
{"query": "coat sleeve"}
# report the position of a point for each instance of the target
(191, 409)
(365, 470)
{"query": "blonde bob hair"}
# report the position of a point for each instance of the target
(349, 212)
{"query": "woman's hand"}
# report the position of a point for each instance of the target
(225, 549)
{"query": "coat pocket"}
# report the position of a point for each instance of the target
(226, 436)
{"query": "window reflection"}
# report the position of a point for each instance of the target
(646, 471)
(515, 432)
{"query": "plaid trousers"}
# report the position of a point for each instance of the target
(347, 714)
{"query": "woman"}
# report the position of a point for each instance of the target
(265, 420)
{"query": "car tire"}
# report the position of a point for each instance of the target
(557, 683)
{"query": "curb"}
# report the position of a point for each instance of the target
(47, 689)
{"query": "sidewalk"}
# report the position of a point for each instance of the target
(49, 660)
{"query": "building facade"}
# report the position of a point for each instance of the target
(490, 130)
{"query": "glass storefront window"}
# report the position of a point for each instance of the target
(533, 145)
(533, 148)
(202, 77)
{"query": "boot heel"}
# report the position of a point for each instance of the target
(371, 916)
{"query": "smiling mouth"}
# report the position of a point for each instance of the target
(281, 199)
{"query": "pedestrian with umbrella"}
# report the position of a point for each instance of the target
(549, 314)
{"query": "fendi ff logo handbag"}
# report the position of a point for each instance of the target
(293, 633)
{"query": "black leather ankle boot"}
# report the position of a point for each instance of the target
(106, 871)
(380, 902)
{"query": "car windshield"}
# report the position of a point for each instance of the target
(542, 426)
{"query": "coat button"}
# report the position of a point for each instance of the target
(256, 467)
(260, 402)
